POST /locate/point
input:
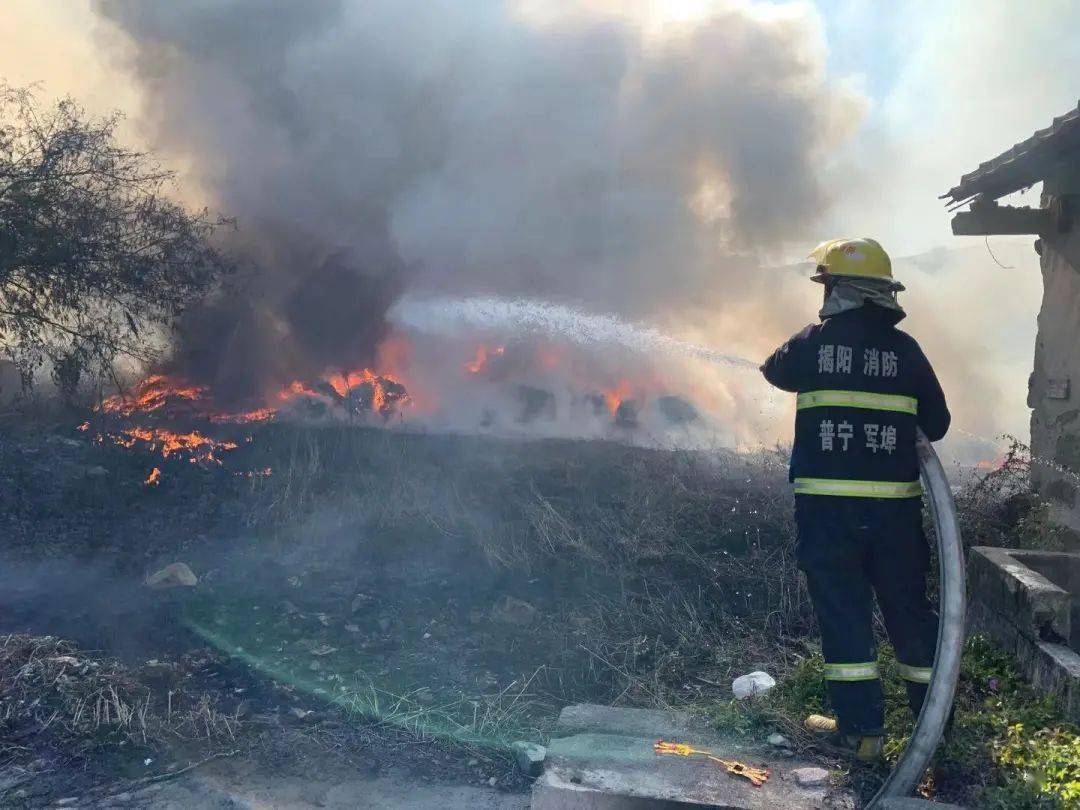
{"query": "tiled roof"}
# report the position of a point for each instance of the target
(1025, 164)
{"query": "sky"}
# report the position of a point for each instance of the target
(941, 87)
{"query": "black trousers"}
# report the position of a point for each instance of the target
(851, 549)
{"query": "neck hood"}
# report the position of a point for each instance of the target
(851, 293)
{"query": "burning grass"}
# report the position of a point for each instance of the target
(192, 445)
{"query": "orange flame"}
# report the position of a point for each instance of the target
(614, 397)
(257, 415)
(991, 464)
(200, 448)
(480, 361)
(295, 389)
(153, 479)
(152, 394)
(344, 383)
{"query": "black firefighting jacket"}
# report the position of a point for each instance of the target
(863, 386)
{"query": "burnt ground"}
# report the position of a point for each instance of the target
(396, 604)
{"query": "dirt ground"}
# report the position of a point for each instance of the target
(329, 785)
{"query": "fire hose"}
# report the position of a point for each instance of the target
(930, 726)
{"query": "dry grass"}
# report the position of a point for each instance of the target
(52, 693)
(671, 568)
(668, 565)
(492, 721)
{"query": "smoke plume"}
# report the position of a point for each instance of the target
(601, 156)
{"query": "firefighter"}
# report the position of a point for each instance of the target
(863, 387)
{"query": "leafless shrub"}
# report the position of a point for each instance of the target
(93, 254)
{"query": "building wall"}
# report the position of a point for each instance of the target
(1054, 393)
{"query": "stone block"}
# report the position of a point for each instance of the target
(529, 757)
(1030, 616)
(1038, 608)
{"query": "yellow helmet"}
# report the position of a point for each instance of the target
(861, 258)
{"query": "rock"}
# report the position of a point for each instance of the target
(516, 612)
(493, 781)
(96, 471)
(174, 575)
(68, 802)
(529, 757)
(810, 777)
(754, 683)
(779, 741)
(472, 763)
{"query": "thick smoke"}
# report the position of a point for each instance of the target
(376, 146)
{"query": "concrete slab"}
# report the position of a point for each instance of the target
(914, 804)
(592, 718)
(609, 764)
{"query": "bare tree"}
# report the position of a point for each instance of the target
(93, 255)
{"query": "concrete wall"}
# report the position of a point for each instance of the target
(1054, 392)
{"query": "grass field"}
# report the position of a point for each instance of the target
(463, 589)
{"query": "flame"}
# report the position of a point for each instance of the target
(198, 448)
(343, 383)
(152, 394)
(991, 464)
(244, 418)
(158, 390)
(480, 361)
(154, 478)
(295, 389)
(85, 426)
(614, 397)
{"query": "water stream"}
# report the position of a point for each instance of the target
(452, 316)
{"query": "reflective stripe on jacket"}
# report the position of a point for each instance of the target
(864, 386)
